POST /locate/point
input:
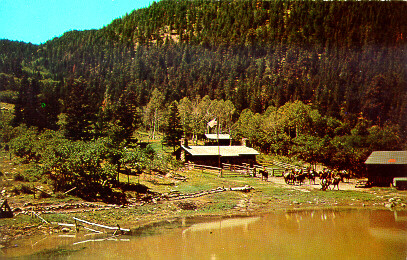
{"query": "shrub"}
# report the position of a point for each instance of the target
(23, 144)
(60, 195)
(34, 173)
(26, 189)
(22, 189)
(18, 177)
(15, 190)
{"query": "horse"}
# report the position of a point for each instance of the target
(311, 176)
(300, 178)
(325, 184)
(264, 174)
(344, 175)
(289, 177)
(254, 171)
(324, 174)
(335, 182)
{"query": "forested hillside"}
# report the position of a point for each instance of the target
(340, 65)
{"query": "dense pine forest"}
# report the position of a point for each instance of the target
(323, 81)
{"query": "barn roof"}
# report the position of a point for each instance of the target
(387, 157)
(215, 136)
(223, 150)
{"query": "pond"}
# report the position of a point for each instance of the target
(308, 234)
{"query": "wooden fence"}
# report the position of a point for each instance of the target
(240, 169)
(288, 166)
(227, 169)
(233, 169)
(203, 168)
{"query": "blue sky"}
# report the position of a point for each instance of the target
(38, 21)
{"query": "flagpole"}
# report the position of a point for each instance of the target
(219, 148)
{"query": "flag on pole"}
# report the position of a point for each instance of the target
(212, 123)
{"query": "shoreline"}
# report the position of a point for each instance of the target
(160, 226)
(266, 197)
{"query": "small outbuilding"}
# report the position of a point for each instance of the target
(383, 166)
(5, 210)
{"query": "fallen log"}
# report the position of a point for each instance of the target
(42, 191)
(66, 192)
(102, 226)
(93, 230)
(40, 217)
(245, 188)
(63, 224)
(203, 193)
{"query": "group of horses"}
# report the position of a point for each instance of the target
(297, 176)
(333, 177)
(327, 177)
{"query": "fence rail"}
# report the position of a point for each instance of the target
(290, 166)
(233, 169)
(241, 169)
(192, 166)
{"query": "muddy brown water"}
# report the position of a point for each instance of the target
(308, 234)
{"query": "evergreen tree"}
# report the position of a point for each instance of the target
(125, 116)
(28, 107)
(80, 114)
(173, 131)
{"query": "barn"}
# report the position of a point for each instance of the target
(383, 166)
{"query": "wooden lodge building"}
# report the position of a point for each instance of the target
(211, 154)
(383, 166)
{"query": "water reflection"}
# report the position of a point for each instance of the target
(222, 224)
(388, 228)
(326, 234)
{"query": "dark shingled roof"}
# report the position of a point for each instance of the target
(387, 157)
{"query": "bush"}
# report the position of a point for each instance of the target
(22, 189)
(26, 189)
(8, 96)
(23, 144)
(34, 173)
(60, 195)
(18, 177)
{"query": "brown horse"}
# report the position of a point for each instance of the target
(300, 178)
(335, 182)
(311, 176)
(289, 177)
(325, 184)
(264, 174)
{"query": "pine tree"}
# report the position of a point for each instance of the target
(27, 109)
(79, 111)
(173, 131)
